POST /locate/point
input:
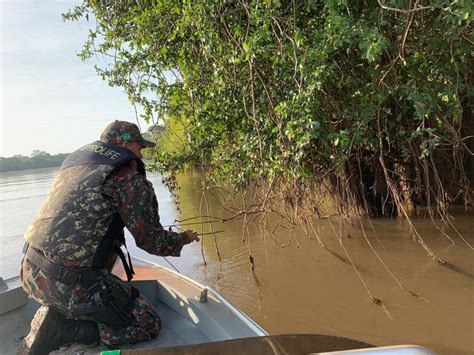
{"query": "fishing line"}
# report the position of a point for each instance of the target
(201, 234)
(174, 267)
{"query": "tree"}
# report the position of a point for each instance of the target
(367, 101)
(36, 153)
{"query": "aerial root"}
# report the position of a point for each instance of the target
(379, 303)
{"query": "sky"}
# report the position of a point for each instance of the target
(50, 99)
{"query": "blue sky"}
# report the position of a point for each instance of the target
(50, 99)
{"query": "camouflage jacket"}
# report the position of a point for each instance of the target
(133, 196)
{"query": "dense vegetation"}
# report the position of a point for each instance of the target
(367, 101)
(38, 159)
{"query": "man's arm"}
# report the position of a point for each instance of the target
(134, 198)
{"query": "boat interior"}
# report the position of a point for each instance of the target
(190, 312)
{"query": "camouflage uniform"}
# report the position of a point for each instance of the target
(130, 195)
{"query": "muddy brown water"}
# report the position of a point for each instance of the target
(301, 287)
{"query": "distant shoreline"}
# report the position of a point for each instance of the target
(27, 170)
(42, 160)
(37, 160)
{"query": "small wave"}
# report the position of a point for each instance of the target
(23, 198)
(26, 182)
(10, 238)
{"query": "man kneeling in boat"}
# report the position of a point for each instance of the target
(76, 237)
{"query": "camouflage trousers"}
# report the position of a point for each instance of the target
(144, 325)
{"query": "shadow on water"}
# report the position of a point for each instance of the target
(256, 279)
(347, 262)
(454, 268)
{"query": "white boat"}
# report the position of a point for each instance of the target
(196, 320)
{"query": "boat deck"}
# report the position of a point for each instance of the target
(176, 298)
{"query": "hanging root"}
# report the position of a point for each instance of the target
(211, 227)
(392, 275)
(252, 263)
(374, 299)
(379, 303)
(402, 211)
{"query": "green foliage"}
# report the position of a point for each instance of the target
(292, 89)
(38, 159)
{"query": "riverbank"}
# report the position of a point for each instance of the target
(37, 160)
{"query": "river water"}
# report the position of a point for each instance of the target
(299, 286)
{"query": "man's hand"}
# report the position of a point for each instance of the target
(192, 236)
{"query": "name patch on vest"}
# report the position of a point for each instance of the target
(101, 150)
(99, 153)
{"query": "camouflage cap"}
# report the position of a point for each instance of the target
(118, 132)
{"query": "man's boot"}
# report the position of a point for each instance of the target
(45, 333)
(80, 331)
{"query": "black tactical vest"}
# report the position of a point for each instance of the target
(76, 223)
